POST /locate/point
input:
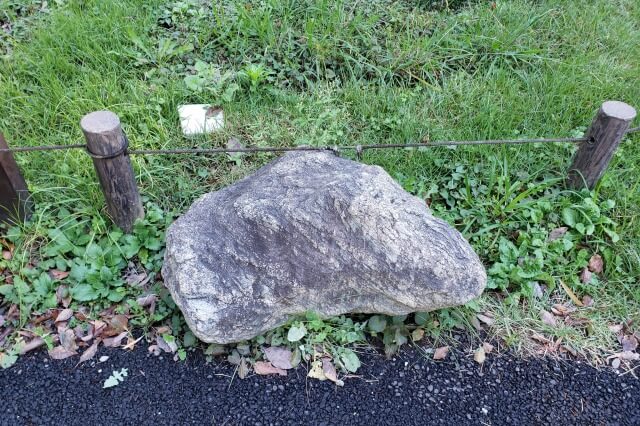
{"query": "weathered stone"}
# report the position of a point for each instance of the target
(312, 232)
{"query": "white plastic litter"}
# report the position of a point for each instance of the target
(197, 119)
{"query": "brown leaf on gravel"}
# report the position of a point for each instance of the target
(131, 343)
(548, 318)
(265, 368)
(119, 323)
(35, 343)
(90, 352)
(64, 315)
(155, 350)
(243, 369)
(280, 357)
(629, 343)
(113, 342)
(585, 276)
(596, 264)
(485, 319)
(167, 347)
(58, 275)
(441, 353)
(68, 339)
(557, 233)
(60, 352)
(82, 334)
(417, 334)
(98, 327)
(480, 355)
(330, 372)
(488, 347)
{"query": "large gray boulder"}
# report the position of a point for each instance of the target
(312, 232)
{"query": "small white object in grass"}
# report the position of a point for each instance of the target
(198, 119)
(103, 358)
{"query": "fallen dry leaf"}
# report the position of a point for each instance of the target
(155, 349)
(35, 343)
(488, 347)
(486, 319)
(61, 299)
(475, 323)
(540, 338)
(58, 275)
(90, 352)
(113, 342)
(163, 329)
(559, 310)
(279, 357)
(548, 318)
(557, 233)
(148, 300)
(131, 343)
(585, 276)
(441, 353)
(587, 300)
(98, 327)
(64, 315)
(616, 328)
(119, 323)
(265, 368)
(329, 371)
(243, 369)
(417, 334)
(626, 356)
(68, 339)
(479, 356)
(169, 347)
(596, 265)
(60, 352)
(571, 294)
(316, 371)
(629, 343)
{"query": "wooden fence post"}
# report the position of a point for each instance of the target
(15, 202)
(593, 156)
(107, 145)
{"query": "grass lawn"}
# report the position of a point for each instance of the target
(323, 73)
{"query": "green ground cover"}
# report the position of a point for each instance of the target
(322, 73)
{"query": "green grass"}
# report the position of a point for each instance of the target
(337, 72)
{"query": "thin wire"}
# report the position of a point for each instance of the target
(43, 148)
(351, 147)
(335, 148)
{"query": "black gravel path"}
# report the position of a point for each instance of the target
(408, 390)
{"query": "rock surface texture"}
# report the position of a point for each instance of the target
(312, 232)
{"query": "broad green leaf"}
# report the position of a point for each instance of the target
(377, 323)
(83, 293)
(569, 216)
(296, 333)
(350, 360)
